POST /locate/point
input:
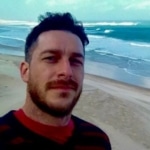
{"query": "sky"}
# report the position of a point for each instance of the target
(83, 10)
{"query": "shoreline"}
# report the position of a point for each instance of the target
(105, 71)
(115, 73)
(121, 110)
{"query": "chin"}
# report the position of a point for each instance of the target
(62, 102)
(61, 106)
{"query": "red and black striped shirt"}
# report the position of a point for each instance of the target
(14, 135)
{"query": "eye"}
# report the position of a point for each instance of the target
(51, 59)
(76, 61)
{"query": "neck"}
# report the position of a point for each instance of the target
(36, 114)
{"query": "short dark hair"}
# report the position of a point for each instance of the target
(54, 21)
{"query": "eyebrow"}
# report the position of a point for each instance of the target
(51, 51)
(56, 51)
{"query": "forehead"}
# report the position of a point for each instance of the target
(59, 40)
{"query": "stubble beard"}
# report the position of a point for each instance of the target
(38, 97)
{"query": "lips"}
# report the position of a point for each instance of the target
(62, 87)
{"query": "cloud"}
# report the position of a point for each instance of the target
(140, 5)
(60, 2)
(51, 3)
(29, 1)
(101, 6)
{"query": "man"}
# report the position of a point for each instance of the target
(53, 71)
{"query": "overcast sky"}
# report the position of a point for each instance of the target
(85, 10)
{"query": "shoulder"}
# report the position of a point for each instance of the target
(90, 132)
(8, 116)
(86, 125)
(6, 120)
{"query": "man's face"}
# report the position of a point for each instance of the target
(56, 71)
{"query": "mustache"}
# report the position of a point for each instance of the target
(62, 83)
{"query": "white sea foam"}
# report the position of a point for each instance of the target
(98, 29)
(96, 36)
(101, 51)
(17, 22)
(108, 31)
(13, 38)
(107, 52)
(110, 23)
(140, 44)
(131, 72)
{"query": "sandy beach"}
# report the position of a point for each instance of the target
(121, 110)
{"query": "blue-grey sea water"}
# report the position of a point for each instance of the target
(117, 50)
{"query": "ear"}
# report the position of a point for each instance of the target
(24, 71)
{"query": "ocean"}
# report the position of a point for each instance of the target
(117, 50)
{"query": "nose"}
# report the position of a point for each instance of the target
(65, 70)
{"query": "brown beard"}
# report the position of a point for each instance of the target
(39, 99)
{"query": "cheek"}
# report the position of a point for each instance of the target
(40, 72)
(47, 71)
(79, 75)
(37, 77)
